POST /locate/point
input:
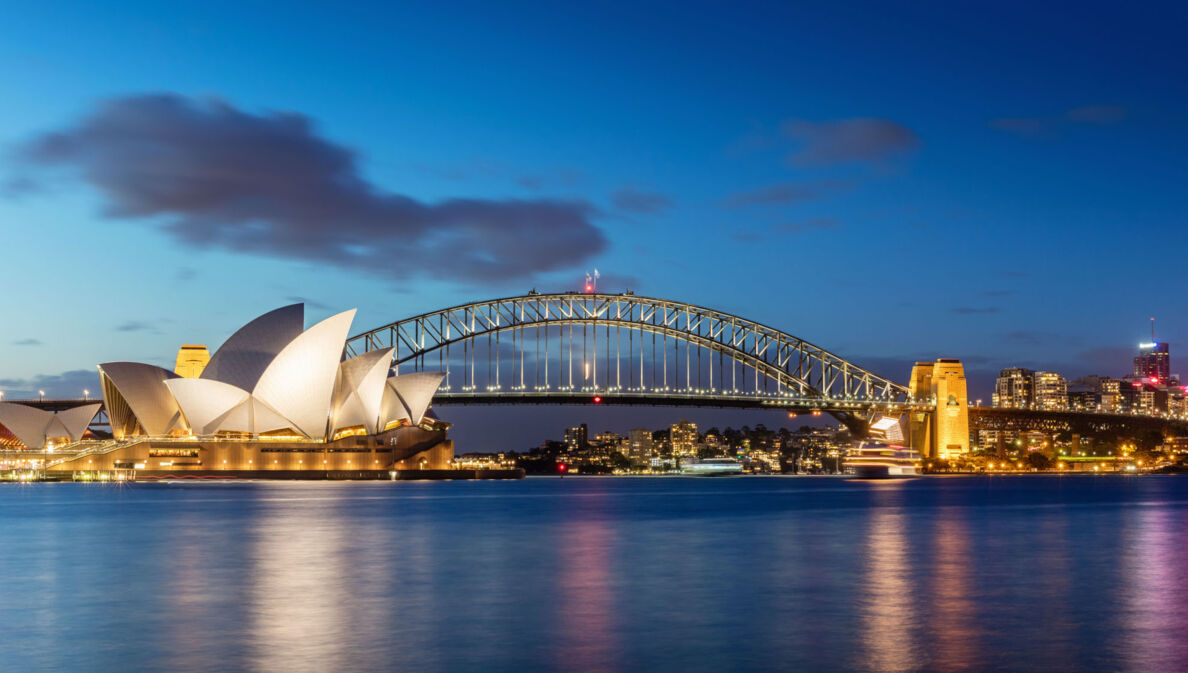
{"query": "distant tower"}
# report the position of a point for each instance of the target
(1153, 363)
(943, 433)
(920, 426)
(191, 361)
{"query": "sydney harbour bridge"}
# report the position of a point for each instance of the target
(598, 348)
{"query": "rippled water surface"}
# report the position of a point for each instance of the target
(598, 574)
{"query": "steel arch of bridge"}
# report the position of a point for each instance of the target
(800, 371)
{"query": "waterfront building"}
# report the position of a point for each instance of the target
(1013, 389)
(273, 397)
(1153, 363)
(639, 444)
(577, 438)
(684, 438)
(609, 441)
(1084, 400)
(1049, 390)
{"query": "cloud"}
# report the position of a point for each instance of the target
(862, 139)
(18, 186)
(998, 293)
(967, 310)
(184, 274)
(269, 185)
(811, 223)
(632, 200)
(67, 385)
(134, 326)
(784, 193)
(28, 342)
(1050, 127)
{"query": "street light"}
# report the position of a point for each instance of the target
(86, 394)
(41, 393)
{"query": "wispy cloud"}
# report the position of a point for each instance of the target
(134, 326)
(27, 342)
(1052, 126)
(69, 384)
(785, 193)
(631, 200)
(859, 139)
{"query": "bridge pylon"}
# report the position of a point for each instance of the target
(941, 432)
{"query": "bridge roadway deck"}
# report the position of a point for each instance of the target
(672, 399)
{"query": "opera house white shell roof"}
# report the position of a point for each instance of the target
(271, 377)
(34, 427)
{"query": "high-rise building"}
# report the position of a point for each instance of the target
(1050, 391)
(639, 443)
(1153, 363)
(577, 439)
(1014, 388)
(684, 438)
(191, 361)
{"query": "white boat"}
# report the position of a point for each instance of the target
(879, 460)
(711, 466)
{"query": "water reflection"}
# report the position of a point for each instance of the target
(599, 574)
(953, 630)
(886, 593)
(586, 606)
(1154, 618)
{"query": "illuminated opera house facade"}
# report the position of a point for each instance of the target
(276, 399)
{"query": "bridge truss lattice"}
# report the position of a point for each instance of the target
(554, 347)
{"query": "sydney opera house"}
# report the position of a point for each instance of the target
(275, 400)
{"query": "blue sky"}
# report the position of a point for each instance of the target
(999, 182)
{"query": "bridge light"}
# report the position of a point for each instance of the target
(562, 468)
(597, 399)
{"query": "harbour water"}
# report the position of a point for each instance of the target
(1026, 573)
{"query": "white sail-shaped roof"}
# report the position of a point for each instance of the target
(299, 383)
(359, 391)
(203, 402)
(243, 358)
(27, 423)
(415, 391)
(143, 391)
(251, 416)
(392, 409)
(73, 423)
(34, 426)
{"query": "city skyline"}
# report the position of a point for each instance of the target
(991, 206)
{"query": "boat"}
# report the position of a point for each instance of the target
(880, 460)
(707, 467)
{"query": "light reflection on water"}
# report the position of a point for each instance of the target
(595, 574)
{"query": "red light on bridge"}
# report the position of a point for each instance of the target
(597, 400)
(562, 467)
(589, 287)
